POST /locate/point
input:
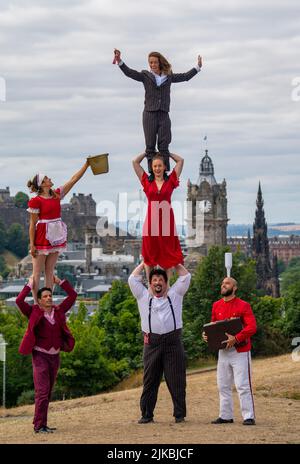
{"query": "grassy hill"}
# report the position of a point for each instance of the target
(10, 258)
(112, 417)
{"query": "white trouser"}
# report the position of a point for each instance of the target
(235, 367)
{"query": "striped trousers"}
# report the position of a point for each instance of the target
(157, 128)
(164, 356)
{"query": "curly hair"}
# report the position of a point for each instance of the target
(158, 272)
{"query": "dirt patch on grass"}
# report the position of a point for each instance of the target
(112, 417)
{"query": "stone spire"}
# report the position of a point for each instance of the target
(260, 249)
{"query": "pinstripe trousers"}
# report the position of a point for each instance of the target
(164, 356)
(157, 128)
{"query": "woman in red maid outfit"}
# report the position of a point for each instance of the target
(47, 232)
(160, 245)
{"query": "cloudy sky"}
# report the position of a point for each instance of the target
(65, 99)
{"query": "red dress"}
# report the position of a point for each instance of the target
(160, 245)
(48, 210)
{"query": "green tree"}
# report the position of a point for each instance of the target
(17, 241)
(21, 200)
(18, 368)
(118, 315)
(269, 339)
(291, 275)
(87, 370)
(4, 271)
(281, 266)
(269, 311)
(291, 317)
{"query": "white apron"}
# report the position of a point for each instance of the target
(56, 231)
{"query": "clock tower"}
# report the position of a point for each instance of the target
(206, 212)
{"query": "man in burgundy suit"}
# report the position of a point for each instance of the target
(47, 333)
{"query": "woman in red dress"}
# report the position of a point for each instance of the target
(160, 245)
(47, 232)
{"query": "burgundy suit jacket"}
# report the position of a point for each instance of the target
(34, 313)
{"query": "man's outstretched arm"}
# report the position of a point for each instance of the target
(181, 270)
(68, 302)
(24, 307)
(135, 282)
(182, 284)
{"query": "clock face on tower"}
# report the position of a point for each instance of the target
(205, 206)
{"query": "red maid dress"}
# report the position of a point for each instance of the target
(160, 245)
(49, 212)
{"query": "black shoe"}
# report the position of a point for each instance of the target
(179, 419)
(222, 421)
(249, 422)
(43, 430)
(145, 420)
(50, 429)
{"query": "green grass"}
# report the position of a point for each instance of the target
(202, 363)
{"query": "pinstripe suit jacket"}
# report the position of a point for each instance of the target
(157, 97)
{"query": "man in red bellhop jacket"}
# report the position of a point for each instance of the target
(47, 333)
(234, 362)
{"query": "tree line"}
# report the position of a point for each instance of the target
(14, 238)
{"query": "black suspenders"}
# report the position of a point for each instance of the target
(172, 309)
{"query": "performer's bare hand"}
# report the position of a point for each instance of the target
(56, 279)
(230, 342)
(117, 58)
(33, 251)
(204, 337)
(199, 61)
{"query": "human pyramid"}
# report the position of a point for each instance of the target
(159, 304)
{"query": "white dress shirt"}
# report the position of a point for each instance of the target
(161, 314)
(160, 78)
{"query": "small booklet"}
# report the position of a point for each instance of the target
(215, 332)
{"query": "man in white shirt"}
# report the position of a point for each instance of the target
(160, 309)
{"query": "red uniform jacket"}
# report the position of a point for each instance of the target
(39, 330)
(236, 308)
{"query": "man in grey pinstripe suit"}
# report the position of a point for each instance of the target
(157, 83)
(161, 320)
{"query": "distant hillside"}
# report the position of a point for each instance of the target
(238, 230)
(10, 258)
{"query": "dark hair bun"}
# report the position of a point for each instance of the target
(32, 184)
